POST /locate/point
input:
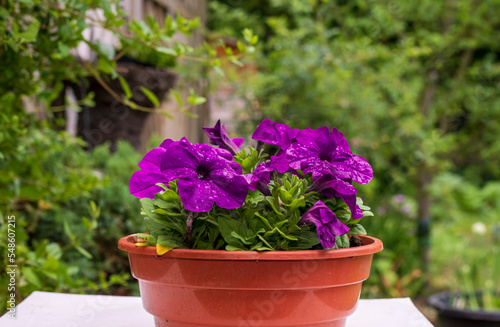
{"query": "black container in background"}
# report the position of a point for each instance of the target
(451, 317)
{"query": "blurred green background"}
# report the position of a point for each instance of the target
(414, 87)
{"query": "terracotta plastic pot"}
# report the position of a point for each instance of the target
(452, 317)
(246, 288)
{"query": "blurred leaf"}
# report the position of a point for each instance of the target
(125, 87)
(177, 98)
(151, 96)
(168, 51)
(28, 274)
(84, 252)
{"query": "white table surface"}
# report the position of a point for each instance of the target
(45, 309)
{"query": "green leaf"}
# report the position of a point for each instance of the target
(53, 250)
(241, 238)
(218, 70)
(106, 49)
(237, 62)
(306, 240)
(166, 50)
(363, 207)
(67, 230)
(248, 35)
(105, 66)
(84, 252)
(151, 96)
(209, 49)
(233, 248)
(170, 241)
(169, 213)
(235, 232)
(368, 214)
(189, 114)
(150, 239)
(194, 99)
(87, 223)
(270, 200)
(341, 241)
(285, 197)
(167, 196)
(152, 226)
(63, 48)
(28, 274)
(149, 208)
(264, 220)
(177, 98)
(356, 229)
(125, 87)
(265, 242)
(31, 32)
(276, 229)
(257, 246)
(297, 203)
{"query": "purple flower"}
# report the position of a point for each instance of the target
(332, 186)
(261, 176)
(399, 198)
(143, 182)
(218, 136)
(259, 179)
(206, 176)
(274, 133)
(327, 224)
(319, 150)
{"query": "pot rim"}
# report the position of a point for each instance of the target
(439, 302)
(370, 246)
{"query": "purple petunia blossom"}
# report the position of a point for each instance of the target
(274, 133)
(143, 182)
(332, 186)
(206, 176)
(259, 179)
(218, 136)
(327, 224)
(320, 149)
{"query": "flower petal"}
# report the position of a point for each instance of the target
(230, 192)
(238, 141)
(361, 170)
(326, 238)
(218, 136)
(350, 200)
(180, 161)
(327, 224)
(314, 139)
(330, 186)
(143, 184)
(280, 163)
(301, 156)
(274, 133)
(197, 195)
(152, 159)
(167, 143)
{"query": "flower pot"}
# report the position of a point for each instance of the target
(246, 288)
(452, 317)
